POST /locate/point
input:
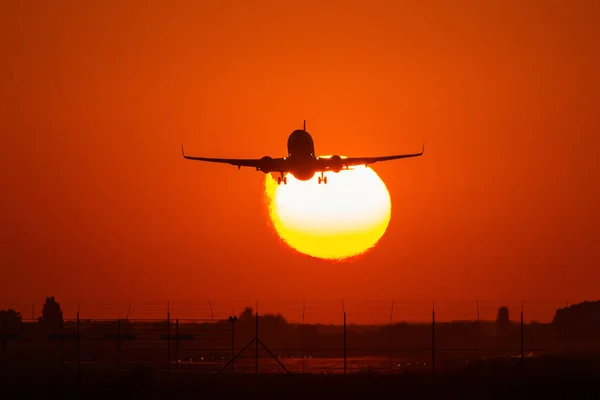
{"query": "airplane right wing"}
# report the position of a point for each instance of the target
(265, 164)
(353, 161)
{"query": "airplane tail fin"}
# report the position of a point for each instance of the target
(304, 126)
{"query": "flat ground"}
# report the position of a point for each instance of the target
(504, 378)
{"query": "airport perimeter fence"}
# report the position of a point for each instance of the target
(296, 337)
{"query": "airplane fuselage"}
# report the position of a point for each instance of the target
(301, 155)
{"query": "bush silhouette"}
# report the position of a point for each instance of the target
(10, 320)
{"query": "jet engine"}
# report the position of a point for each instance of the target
(336, 163)
(266, 164)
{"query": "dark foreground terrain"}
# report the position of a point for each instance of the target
(501, 378)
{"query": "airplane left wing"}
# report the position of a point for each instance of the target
(266, 164)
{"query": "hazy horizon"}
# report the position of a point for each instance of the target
(315, 311)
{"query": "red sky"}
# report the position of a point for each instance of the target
(98, 205)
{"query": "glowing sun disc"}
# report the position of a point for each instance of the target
(338, 220)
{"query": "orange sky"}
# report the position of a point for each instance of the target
(98, 205)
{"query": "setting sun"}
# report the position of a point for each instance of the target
(341, 219)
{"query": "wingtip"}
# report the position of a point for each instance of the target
(423, 148)
(182, 152)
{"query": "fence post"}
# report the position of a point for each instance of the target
(433, 339)
(256, 341)
(168, 339)
(391, 339)
(566, 324)
(77, 333)
(177, 344)
(345, 347)
(61, 343)
(477, 330)
(119, 343)
(522, 355)
(302, 338)
(232, 319)
(3, 333)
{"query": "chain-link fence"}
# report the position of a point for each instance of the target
(296, 337)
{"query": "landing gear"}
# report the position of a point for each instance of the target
(323, 179)
(282, 179)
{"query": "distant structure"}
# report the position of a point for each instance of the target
(502, 321)
(52, 315)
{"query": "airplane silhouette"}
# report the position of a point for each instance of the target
(301, 161)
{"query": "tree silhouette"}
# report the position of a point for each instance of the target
(52, 316)
(247, 314)
(10, 320)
